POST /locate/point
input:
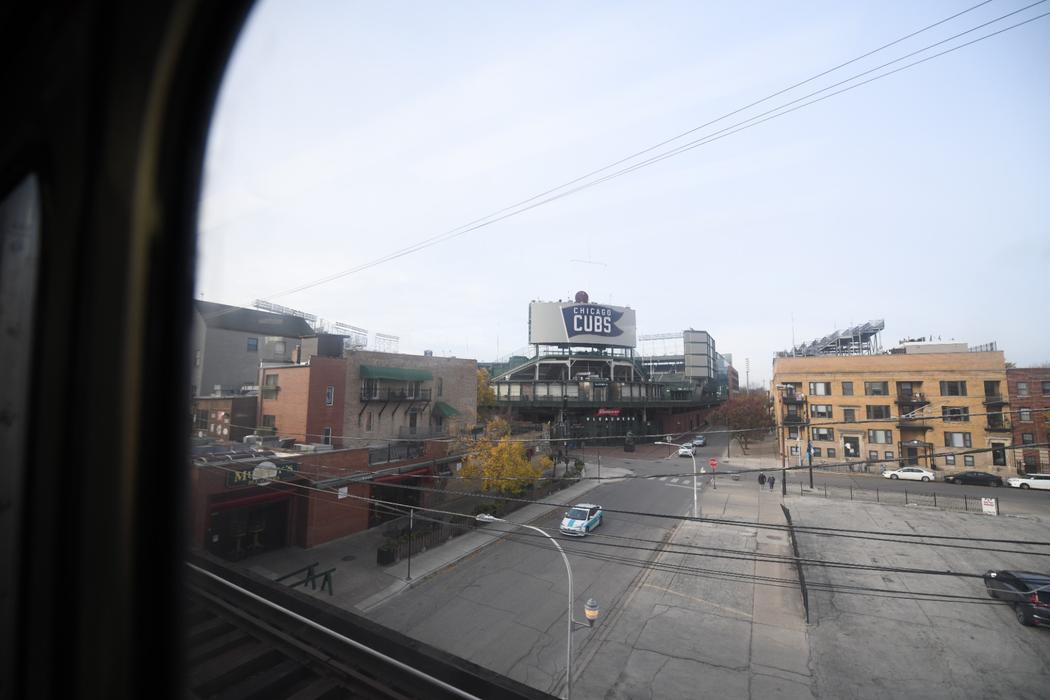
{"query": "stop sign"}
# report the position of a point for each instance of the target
(713, 462)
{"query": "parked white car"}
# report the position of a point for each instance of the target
(913, 473)
(1030, 481)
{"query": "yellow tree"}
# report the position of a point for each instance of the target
(486, 395)
(502, 464)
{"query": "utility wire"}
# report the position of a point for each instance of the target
(542, 542)
(548, 195)
(871, 535)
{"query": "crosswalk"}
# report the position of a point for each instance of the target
(681, 482)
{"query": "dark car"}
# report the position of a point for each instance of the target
(978, 478)
(1028, 592)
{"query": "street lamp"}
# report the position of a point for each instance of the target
(692, 455)
(590, 609)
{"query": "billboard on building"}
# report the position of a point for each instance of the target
(581, 324)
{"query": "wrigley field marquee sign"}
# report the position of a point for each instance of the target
(581, 324)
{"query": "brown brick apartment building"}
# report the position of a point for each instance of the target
(1030, 403)
(407, 397)
(305, 401)
(919, 405)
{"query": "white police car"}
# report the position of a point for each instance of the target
(581, 519)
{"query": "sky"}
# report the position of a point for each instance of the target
(347, 131)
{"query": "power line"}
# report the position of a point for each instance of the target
(549, 196)
(542, 542)
(873, 535)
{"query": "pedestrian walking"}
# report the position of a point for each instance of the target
(762, 479)
(771, 480)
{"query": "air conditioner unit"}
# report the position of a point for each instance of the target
(252, 440)
(305, 448)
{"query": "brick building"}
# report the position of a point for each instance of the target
(1029, 391)
(242, 503)
(304, 401)
(933, 405)
(392, 396)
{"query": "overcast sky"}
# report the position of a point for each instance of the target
(346, 131)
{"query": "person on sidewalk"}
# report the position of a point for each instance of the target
(772, 479)
(761, 479)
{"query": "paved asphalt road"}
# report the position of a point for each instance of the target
(504, 608)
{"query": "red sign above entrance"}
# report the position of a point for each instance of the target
(608, 411)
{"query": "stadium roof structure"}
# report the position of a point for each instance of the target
(862, 339)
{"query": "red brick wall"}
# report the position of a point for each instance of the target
(330, 517)
(325, 372)
(1036, 402)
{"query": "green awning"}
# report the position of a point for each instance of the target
(444, 410)
(402, 374)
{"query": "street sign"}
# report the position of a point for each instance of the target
(990, 506)
(713, 462)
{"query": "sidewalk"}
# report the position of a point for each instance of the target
(707, 629)
(360, 585)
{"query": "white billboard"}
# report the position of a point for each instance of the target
(581, 324)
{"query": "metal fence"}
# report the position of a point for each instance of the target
(893, 497)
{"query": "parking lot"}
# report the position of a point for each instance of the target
(883, 642)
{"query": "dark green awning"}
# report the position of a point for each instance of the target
(444, 410)
(403, 374)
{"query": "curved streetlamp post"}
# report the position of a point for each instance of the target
(590, 610)
(692, 454)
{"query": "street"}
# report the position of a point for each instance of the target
(504, 607)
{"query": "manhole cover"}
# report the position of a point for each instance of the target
(349, 557)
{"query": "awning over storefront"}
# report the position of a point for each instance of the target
(444, 410)
(403, 374)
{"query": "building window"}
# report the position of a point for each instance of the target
(196, 358)
(849, 415)
(441, 386)
(326, 436)
(877, 412)
(368, 422)
(820, 388)
(907, 388)
(1027, 438)
(876, 388)
(253, 345)
(831, 452)
(953, 388)
(949, 460)
(329, 396)
(794, 450)
(824, 434)
(873, 455)
(847, 388)
(1025, 414)
(816, 451)
(792, 433)
(269, 421)
(820, 410)
(889, 454)
(201, 420)
(880, 437)
(968, 460)
(957, 440)
(1022, 388)
(954, 414)
(1046, 388)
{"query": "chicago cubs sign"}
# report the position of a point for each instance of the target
(579, 323)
